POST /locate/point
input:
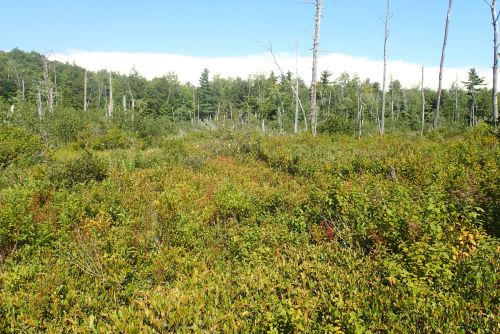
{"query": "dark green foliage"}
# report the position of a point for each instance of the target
(19, 146)
(80, 170)
(337, 124)
(206, 98)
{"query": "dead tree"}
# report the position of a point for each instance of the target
(85, 105)
(296, 121)
(441, 65)
(294, 88)
(110, 101)
(194, 106)
(261, 107)
(132, 102)
(55, 94)
(39, 106)
(494, 20)
(314, 107)
(48, 85)
(11, 66)
(384, 78)
(11, 111)
(423, 103)
(456, 115)
(360, 111)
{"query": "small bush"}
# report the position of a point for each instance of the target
(337, 124)
(83, 169)
(19, 146)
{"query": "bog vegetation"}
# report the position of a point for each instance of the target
(164, 223)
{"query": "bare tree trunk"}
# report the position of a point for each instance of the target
(295, 90)
(282, 116)
(39, 106)
(19, 82)
(392, 99)
(456, 114)
(360, 117)
(441, 65)
(314, 108)
(100, 89)
(384, 79)
(198, 112)
(261, 105)
(494, 16)
(12, 109)
(193, 118)
(296, 123)
(329, 101)
(494, 21)
(85, 106)
(423, 104)
(405, 101)
(55, 96)
(110, 101)
(124, 102)
(48, 85)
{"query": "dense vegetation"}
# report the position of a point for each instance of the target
(346, 104)
(142, 223)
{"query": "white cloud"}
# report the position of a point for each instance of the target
(189, 68)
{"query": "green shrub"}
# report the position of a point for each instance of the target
(24, 218)
(337, 124)
(241, 232)
(232, 203)
(83, 169)
(18, 146)
(63, 126)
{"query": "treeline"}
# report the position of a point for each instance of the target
(32, 85)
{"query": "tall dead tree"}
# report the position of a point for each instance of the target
(85, 106)
(11, 111)
(360, 111)
(423, 103)
(441, 65)
(456, 115)
(110, 101)
(494, 20)
(314, 107)
(56, 94)
(12, 67)
(132, 102)
(296, 121)
(293, 87)
(48, 85)
(384, 78)
(39, 106)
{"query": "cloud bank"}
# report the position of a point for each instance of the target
(189, 68)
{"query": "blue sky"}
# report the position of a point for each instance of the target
(232, 28)
(223, 28)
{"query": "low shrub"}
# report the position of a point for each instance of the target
(18, 146)
(82, 169)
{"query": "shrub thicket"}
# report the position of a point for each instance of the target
(223, 231)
